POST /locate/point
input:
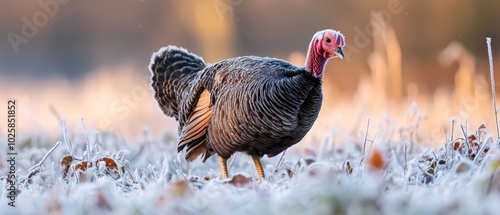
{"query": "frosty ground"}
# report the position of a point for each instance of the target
(98, 173)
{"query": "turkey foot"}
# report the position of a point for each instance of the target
(223, 167)
(258, 166)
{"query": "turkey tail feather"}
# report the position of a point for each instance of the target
(172, 68)
(174, 82)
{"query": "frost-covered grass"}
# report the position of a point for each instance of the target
(100, 174)
(393, 171)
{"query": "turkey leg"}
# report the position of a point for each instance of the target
(223, 167)
(258, 166)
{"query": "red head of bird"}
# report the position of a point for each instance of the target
(324, 45)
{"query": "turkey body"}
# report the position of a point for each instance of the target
(257, 105)
(262, 106)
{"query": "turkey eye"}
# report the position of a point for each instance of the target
(328, 40)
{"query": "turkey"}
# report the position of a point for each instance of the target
(256, 105)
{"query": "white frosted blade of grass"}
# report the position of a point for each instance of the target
(492, 78)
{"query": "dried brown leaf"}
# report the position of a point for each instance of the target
(83, 165)
(481, 130)
(180, 188)
(33, 172)
(457, 144)
(376, 160)
(239, 180)
(309, 161)
(472, 140)
(66, 160)
(111, 166)
(65, 165)
(432, 168)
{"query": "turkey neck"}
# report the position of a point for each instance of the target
(315, 62)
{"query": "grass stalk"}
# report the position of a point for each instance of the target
(492, 79)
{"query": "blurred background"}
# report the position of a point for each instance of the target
(409, 64)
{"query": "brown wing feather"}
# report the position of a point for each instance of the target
(193, 133)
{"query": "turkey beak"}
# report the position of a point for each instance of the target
(339, 53)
